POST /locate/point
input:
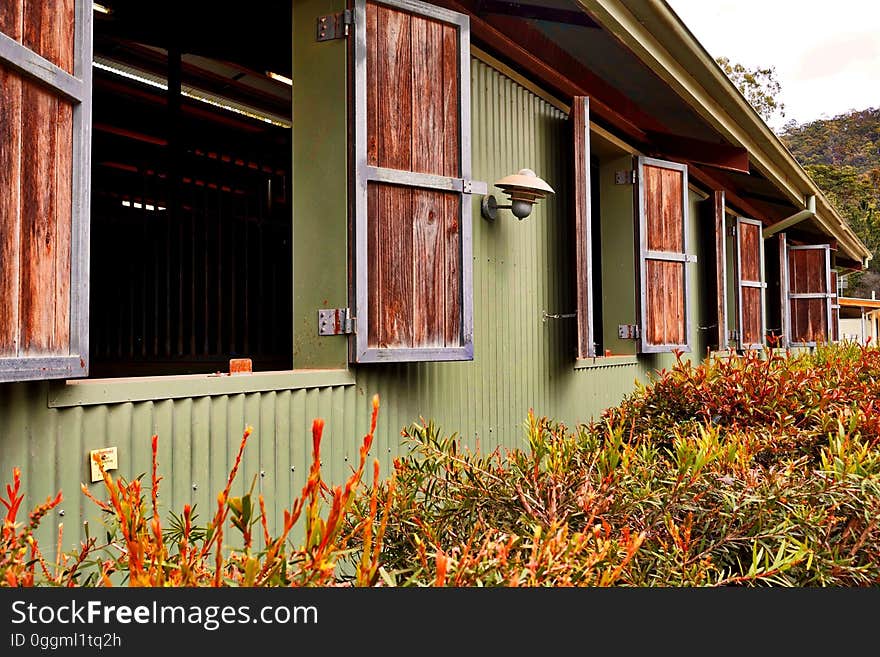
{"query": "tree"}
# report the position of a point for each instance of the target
(842, 154)
(759, 86)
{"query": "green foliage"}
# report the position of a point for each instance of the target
(755, 470)
(842, 154)
(759, 86)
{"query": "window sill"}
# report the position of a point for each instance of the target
(605, 361)
(86, 392)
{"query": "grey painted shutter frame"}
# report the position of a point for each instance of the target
(364, 173)
(77, 89)
(825, 296)
(644, 255)
(742, 283)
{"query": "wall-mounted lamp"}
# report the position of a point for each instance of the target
(524, 189)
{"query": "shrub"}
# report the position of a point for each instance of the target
(140, 552)
(739, 471)
(749, 470)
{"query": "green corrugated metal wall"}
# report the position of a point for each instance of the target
(521, 269)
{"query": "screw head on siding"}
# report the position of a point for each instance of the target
(60, 512)
(262, 473)
(195, 486)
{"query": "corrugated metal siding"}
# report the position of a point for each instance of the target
(522, 268)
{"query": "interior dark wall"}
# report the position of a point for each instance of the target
(192, 220)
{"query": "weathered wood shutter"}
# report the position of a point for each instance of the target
(413, 264)
(664, 315)
(45, 123)
(809, 294)
(751, 309)
(835, 309)
(580, 120)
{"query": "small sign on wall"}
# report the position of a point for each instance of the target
(109, 459)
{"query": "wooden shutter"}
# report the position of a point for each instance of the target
(413, 264)
(809, 294)
(751, 310)
(580, 119)
(835, 309)
(45, 122)
(664, 315)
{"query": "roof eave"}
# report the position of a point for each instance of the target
(654, 32)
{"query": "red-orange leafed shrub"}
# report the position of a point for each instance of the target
(19, 552)
(801, 397)
(141, 553)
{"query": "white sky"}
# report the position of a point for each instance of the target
(826, 54)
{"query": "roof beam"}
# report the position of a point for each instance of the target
(536, 12)
(713, 154)
(715, 182)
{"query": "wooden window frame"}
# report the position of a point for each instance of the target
(364, 173)
(76, 88)
(644, 255)
(740, 284)
(810, 295)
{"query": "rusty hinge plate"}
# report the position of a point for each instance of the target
(628, 331)
(335, 321)
(334, 26)
(627, 177)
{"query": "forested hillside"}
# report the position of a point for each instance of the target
(842, 154)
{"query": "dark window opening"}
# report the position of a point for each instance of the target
(596, 234)
(191, 219)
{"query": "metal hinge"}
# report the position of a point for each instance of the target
(626, 177)
(628, 331)
(733, 231)
(335, 321)
(733, 334)
(335, 26)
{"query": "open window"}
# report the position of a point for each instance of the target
(191, 218)
(664, 312)
(750, 299)
(809, 294)
(412, 210)
(45, 105)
